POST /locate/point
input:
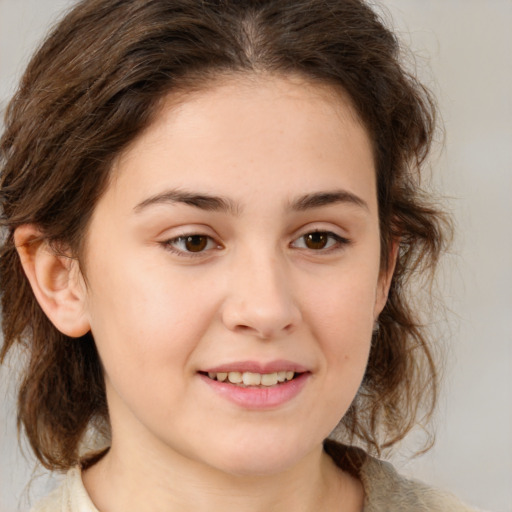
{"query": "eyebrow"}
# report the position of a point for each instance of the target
(319, 199)
(202, 201)
(222, 204)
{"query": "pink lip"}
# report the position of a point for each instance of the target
(258, 398)
(257, 367)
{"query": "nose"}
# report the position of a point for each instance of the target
(260, 301)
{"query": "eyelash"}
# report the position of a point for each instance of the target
(171, 244)
(337, 243)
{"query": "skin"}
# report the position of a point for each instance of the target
(258, 290)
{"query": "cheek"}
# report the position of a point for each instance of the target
(344, 306)
(145, 321)
(342, 318)
(342, 323)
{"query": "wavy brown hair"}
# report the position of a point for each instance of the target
(96, 83)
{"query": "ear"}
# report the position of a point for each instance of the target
(385, 278)
(55, 279)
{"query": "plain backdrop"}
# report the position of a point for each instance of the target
(464, 53)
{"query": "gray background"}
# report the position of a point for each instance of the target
(464, 53)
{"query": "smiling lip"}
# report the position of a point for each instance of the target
(258, 397)
(256, 367)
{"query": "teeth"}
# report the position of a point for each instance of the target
(269, 379)
(218, 376)
(235, 377)
(251, 378)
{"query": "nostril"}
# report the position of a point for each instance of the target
(260, 316)
(264, 331)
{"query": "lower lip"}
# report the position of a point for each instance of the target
(259, 398)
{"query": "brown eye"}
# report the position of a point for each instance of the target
(196, 243)
(320, 241)
(191, 244)
(316, 241)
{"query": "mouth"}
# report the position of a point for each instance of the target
(252, 379)
(255, 386)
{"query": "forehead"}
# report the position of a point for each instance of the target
(273, 128)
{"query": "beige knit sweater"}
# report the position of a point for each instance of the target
(385, 490)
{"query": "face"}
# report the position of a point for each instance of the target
(237, 241)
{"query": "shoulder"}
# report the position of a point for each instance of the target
(70, 496)
(386, 490)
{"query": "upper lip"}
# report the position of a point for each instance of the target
(258, 367)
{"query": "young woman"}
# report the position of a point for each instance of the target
(212, 214)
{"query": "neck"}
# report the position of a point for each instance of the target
(126, 480)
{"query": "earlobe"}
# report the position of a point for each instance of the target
(55, 280)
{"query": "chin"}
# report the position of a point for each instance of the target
(255, 457)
